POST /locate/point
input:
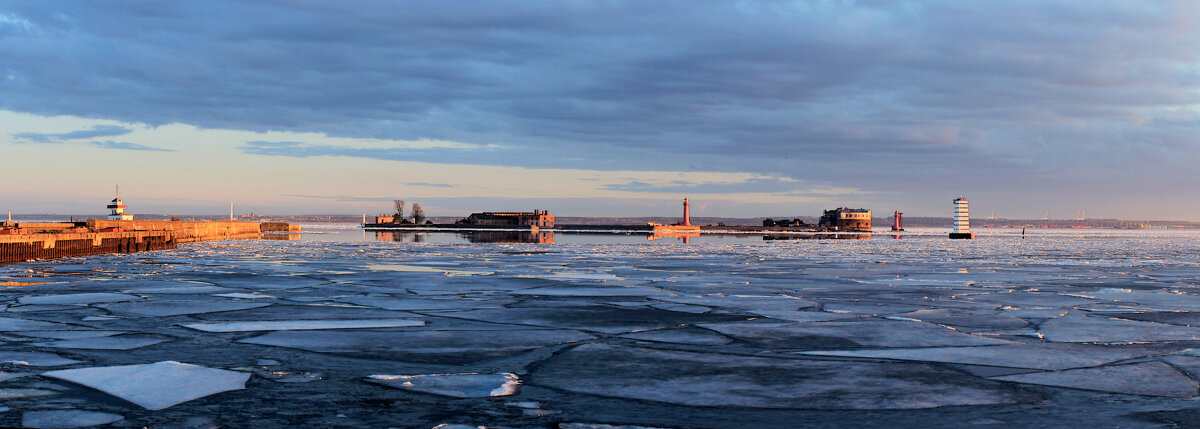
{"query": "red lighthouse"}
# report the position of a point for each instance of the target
(687, 213)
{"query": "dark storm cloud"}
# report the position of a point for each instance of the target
(891, 95)
(94, 132)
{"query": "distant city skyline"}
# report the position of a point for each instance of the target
(624, 108)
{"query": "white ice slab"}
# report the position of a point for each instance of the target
(393, 303)
(424, 269)
(67, 419)
(158, 385)
(1146, 378)
(184, 289)
(301, 325)
(35, 359)
(681, 336)
(591, 291)
(455, 385)
(78, 298)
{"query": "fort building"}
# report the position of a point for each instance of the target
(537, 218)
(846, 219)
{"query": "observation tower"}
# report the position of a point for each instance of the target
(962, 220)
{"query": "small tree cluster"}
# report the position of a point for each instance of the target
(399, 216)
(418, 214)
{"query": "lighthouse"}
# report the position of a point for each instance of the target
(687, 213)
(962, 220)
(117, 208)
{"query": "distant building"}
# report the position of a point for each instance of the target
(785, 223)
(117, 208)
(846, 219)
(538, 218)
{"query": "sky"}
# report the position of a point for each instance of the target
(602, 108)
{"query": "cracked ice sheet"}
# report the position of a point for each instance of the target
(120, 342)
(444, 347)
(264, 282)
(155, 386)
(1146, 378)
(78, 298)
(715, 380)
(1045, 356)
(864, 332)
(748, 303)
(177, 308)
(67, 419)
(1076, 328)
(454, 385)
(300, 325)
(424, 269)
(182, 288)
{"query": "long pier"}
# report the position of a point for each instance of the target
(22, 242)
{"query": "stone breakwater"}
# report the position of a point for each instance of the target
(118, 236)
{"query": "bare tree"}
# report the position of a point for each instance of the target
(418, 214)
(399, 211)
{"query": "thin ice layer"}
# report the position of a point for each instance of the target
(1146, 378)
(455, 385)
(35, 359)
(158, 385)
(299, 325)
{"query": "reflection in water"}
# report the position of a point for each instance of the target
(471, 236)
(817, 237)
(401, 236)
(281, 236)
(539, 237)
(685, 237)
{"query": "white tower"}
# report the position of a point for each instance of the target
(962, 220)
(117, 208)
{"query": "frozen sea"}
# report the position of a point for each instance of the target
(341, 327)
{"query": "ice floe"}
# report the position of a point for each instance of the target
(681, 336)
(118, 342)
(718, 380)
(34, 359)
(1146, 378)
(9, 393)
(11, 324)
(297, 325)
(67, 418)
(78, 298)
(155, 386)
(449, 347)
(1084, 329)
(1046, 356)
(455, 385)
(177, 308)
(864, 332)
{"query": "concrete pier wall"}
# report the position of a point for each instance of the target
(185, 232)
(35, 246)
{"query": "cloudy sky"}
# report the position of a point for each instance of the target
(765, 108)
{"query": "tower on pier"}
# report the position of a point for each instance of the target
(962, 220)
